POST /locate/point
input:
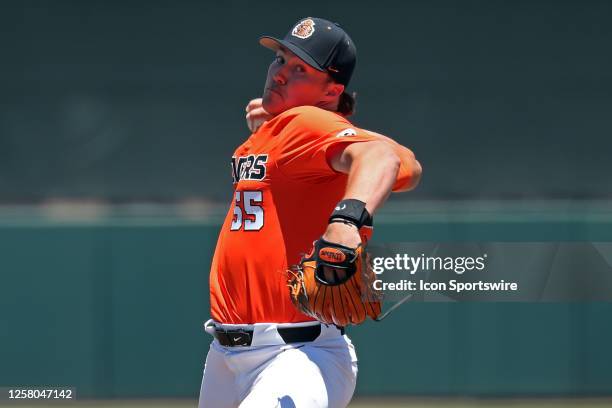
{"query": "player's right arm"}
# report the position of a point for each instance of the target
(410, 169)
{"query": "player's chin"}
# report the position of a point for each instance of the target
(272, 103)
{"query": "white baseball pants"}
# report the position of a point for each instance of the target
(317, 374)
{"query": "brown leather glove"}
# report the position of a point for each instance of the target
(333, 284)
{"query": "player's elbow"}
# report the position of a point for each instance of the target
(409, 175)
(415, 176)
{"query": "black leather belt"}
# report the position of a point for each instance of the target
(244, 338)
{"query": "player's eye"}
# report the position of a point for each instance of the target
(280, 59)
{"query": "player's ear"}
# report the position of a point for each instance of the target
(334, 90)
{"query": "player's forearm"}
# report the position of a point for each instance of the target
(372, 174)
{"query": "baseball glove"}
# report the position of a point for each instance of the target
(333, 284)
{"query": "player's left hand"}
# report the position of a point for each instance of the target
(343, 234)
(256, 115)
(334, 284)
(348, 234)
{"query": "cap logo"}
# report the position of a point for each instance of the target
(303, 29)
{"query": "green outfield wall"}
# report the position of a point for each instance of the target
(145, 99)
(115, 308)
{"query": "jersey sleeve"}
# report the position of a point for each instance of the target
(310, 135)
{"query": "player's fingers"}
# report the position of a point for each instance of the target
(259, 113)
(256, 118)
(253, 104)
(252, 114)
(253, 123)
(248, 121)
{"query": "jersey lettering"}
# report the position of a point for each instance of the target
(251, 167)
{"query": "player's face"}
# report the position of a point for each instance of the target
(291, 82)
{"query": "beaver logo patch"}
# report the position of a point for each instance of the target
(347, 132)
(303, 29)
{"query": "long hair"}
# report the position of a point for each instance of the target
(346, 103)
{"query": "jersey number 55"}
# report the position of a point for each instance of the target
(248, 211)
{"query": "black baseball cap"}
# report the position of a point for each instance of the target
(321, 44)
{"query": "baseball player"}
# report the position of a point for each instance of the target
(306, 173)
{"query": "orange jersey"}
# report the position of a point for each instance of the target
(285, 191)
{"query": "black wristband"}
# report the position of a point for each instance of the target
(353, 211)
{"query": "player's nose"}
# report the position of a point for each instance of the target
(279, 78)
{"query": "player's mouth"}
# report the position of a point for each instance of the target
(274, 91)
